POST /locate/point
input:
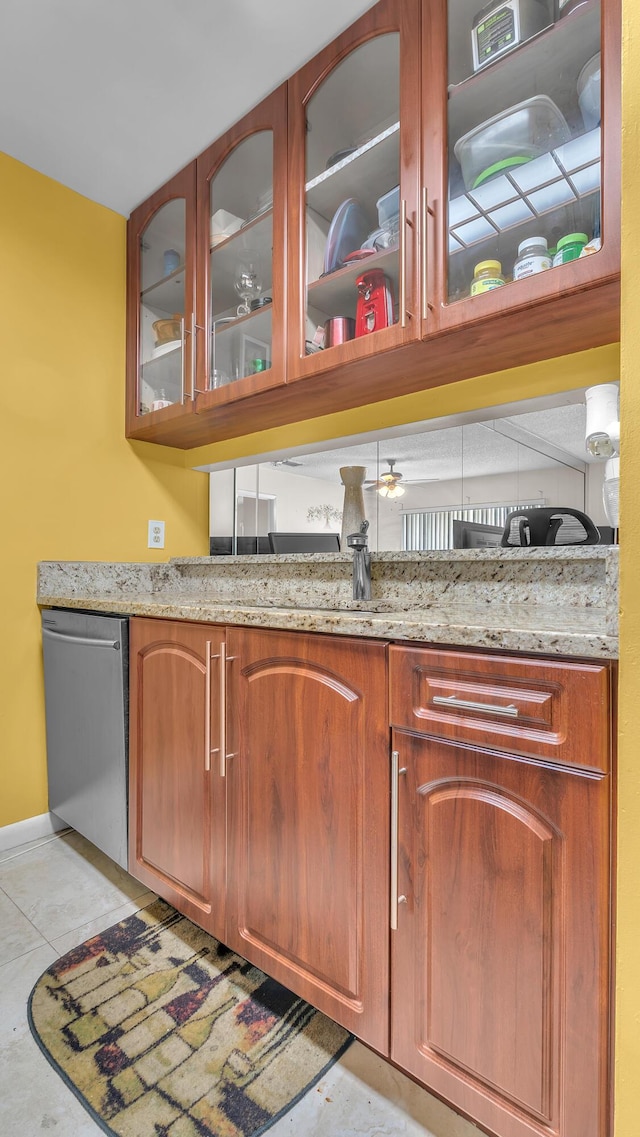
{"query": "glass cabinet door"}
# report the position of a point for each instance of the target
(162, 308)
(161, 246)
(242, 189)
(353, 193)
(524, 148)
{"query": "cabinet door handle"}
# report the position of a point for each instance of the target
(207, 714)
(402, 299)
(424, 254)
(192, 367)
(467, 705)
(395, 900)
(183, 348)
(223, 710)
(427, 212)
(221, 750)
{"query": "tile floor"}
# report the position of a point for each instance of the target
(57, 892)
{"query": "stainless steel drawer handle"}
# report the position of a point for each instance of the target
(468, 705)
(394, 899)
(83, 641)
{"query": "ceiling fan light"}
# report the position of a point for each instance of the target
(393, 490)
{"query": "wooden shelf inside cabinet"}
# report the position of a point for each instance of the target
(255, 324)
(336, 293)
(166, 295)
(548, 63)
(374, 167)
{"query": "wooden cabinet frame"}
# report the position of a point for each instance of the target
(567, 310)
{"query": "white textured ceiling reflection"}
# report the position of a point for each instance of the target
(470, 451)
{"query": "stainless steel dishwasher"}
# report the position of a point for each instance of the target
(86, 698)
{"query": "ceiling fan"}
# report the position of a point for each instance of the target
(392, 482)
(388, 484)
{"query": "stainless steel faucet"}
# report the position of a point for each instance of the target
(361, 563)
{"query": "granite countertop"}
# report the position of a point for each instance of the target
(549, 601)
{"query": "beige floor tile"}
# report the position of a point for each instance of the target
(66, 883)
(362, 1096)
(33, 1097)
(17, 934)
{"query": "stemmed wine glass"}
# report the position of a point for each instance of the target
(248, 285)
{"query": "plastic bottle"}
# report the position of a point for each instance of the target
(533, 256)
(569, 248)
(486, 275)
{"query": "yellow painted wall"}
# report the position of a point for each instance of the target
(628, 888)
(71, 487)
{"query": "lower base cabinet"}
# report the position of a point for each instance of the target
(308, 799)
(177, 809)
(272, 804)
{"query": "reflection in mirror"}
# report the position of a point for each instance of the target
(426, 489)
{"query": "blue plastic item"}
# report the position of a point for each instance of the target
(349, 228)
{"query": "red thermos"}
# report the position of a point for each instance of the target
(374, 309)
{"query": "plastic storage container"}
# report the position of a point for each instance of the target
(388, 207)
(533, 257)
(589, 93)
(521, 132)
(486, 276)
(503, 25)
(569, 248)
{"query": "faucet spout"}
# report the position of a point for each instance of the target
(361, 563)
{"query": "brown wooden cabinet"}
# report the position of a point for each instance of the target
(176, 798)
(226, 223)
(270, 804)
(364, 146)
(308, 788)
(501, 958)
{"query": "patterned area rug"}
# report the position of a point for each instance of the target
(161, 1031)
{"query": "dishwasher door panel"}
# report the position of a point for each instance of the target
(85, 669)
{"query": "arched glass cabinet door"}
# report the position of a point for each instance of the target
(354, 128)
(241, 295)
(161, 268)
(531, 173)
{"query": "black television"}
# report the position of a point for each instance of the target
(474, 535)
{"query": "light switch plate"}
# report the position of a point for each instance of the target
(156, 535)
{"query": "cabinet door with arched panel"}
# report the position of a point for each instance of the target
(354, 141)
(525, 208)
(241, 299)
(160, 307)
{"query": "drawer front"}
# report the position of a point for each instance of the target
(527, 706)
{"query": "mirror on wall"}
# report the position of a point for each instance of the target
(427, 485)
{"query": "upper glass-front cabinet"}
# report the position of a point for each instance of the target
(241, 249)
(352, 197)
(161, 268)
(524, 159)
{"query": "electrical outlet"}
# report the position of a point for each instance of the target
(156, 535)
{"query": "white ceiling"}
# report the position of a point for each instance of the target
(112, 97)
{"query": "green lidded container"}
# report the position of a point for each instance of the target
(569, 248)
